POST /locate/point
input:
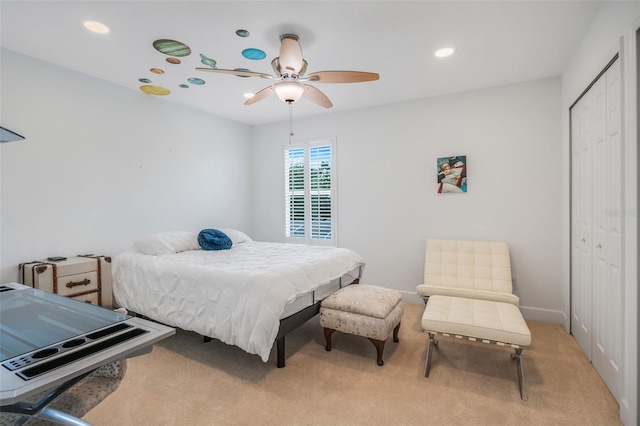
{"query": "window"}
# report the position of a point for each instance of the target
(309, 188)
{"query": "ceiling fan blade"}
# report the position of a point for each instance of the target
(238, 73)
(341, 76)
(275, 64)
(260, 95)
(290, 58)
(303, 69)
(316, 96)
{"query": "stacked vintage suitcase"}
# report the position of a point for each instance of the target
(86, 278)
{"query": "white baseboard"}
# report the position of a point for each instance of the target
(545, 315)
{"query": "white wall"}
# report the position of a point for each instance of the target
(387, 200)
(611, 31)
(103, 165)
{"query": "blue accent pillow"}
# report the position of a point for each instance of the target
(214, 239)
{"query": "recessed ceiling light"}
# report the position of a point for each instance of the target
(445, 51)
(96, 27)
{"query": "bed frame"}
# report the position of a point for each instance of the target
(292, 322)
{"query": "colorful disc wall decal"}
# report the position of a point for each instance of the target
(208, 61)
(254, 54)
(173, 60)
(144, 80)
(155, 90)
(243, 33)
(197, 81)
(183, 86)
(157, 71)
(172, 47)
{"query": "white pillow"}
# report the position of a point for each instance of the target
(237, 237)
(168, 242)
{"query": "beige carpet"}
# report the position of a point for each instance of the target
(187, 382)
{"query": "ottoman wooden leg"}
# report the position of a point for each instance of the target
(327, 336)
(395, 332)
(379, 344)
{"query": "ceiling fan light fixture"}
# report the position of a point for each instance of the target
(288, 91)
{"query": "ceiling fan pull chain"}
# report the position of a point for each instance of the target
(290, 121)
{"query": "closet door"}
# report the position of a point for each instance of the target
(607, 233)
(581, 178)
(596, 226)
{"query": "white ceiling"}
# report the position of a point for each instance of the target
(497, 43)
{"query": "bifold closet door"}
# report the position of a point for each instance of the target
(597, 235)
(582, 118)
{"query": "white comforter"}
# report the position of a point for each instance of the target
(236, 295)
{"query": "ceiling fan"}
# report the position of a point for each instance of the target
(289, 68)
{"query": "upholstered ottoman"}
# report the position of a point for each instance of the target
(484, 321)
(363, 310)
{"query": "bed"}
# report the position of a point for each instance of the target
(250, 295)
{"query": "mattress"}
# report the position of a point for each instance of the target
(237, 296)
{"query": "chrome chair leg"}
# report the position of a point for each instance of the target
(517, 356)
(430, 344)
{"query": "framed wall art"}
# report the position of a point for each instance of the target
(452, 174)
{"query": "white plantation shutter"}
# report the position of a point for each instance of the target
(310, 193)
(320, 191)
(294, 192)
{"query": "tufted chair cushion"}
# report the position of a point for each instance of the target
(471, 269)
(481, 319)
